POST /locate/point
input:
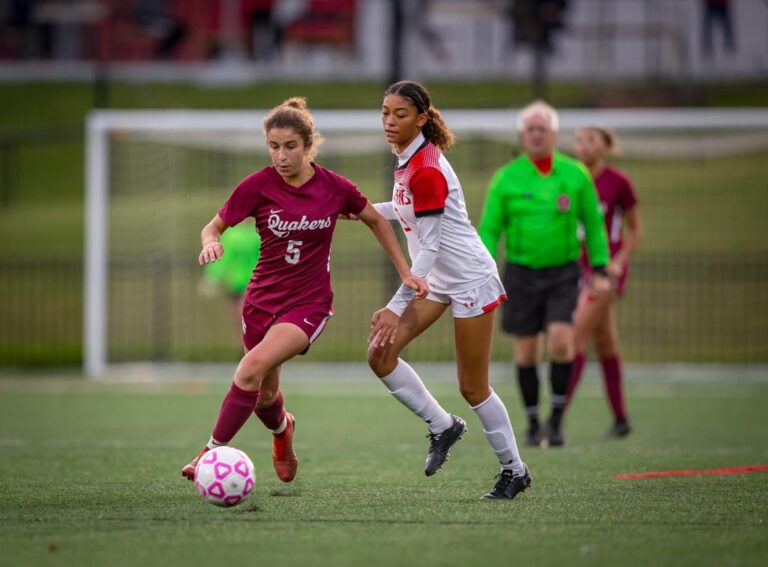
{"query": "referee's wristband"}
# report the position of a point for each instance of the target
(600, 270)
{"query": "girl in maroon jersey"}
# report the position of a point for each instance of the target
(595, 318)
(295, 203)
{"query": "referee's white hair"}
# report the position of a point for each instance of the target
(538, 107)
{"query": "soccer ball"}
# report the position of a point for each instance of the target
(224, 476)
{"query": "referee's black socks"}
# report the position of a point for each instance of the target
(559, 377)
(528, 378)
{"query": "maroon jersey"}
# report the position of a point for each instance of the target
(296, 226)
(616, 196)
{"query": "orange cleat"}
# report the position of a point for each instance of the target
(188, 471)
(283, 456)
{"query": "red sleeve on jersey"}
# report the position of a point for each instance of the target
(430, 190)
(626, 197)
(241, 202)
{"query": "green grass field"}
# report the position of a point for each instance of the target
(90, 475)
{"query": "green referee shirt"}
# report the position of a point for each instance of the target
(540, 214)
(241, 252)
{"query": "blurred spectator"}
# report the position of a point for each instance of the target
(535, 21)
(264, 28)
(156, 19)
(418, 13)
(21, 35)
(324, 22)
(717, 13)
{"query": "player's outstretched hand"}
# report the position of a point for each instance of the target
(419, 285)
(211, 252)
(383, 328)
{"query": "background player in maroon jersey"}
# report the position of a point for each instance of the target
(594, 317)
(295, 203)
(428, 203)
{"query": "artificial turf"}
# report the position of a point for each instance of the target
(89, 475)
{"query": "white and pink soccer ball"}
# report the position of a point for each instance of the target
(224, 476)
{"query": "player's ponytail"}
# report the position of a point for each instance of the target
(294, 113)
(435, 130)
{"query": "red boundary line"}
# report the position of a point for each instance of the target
(733, 470)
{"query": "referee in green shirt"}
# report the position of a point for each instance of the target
(538, 201)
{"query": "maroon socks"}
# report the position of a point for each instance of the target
(576, 371)
(611, 378)
(237, 407)
(613, 387)
(273, 416)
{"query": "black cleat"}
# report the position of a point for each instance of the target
(555, 436)
(441, 443)
(509, 485)
(534, 436)
(620, 429)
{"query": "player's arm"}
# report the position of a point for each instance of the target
(386, 209)
(211, 240)
(630, 241)
(237, 208)
(492, 220)
(383, 232)
(596, 237)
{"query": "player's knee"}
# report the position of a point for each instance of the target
(381, 361)
(560, 351)
(251, 371)
(474, 394)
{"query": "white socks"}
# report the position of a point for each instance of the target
(212, 443)
(498, 430)
(405, 385)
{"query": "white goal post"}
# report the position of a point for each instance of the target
(103, 126)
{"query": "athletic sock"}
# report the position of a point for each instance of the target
(498, 430)
(237, 407)
(406, 386)
(528, 378)
(559, 377)
(273, 417)
(577, 371)
(613, 386)
(212, 443)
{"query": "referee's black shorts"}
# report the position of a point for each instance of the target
(537, 297)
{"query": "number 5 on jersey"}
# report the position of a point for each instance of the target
(293, 252)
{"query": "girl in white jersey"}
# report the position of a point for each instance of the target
(428, 202)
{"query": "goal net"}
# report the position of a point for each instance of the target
(697, 291)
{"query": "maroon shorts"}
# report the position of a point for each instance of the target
(309, 318)
(619, 284)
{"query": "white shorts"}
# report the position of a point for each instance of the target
(473, 302)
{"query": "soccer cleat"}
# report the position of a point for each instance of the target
(283, 456)
(620, 429)
(509, 485)
(555, 436)
(188, 471)
(441, 443)
(534, 436)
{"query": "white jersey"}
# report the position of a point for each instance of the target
(426, 185)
